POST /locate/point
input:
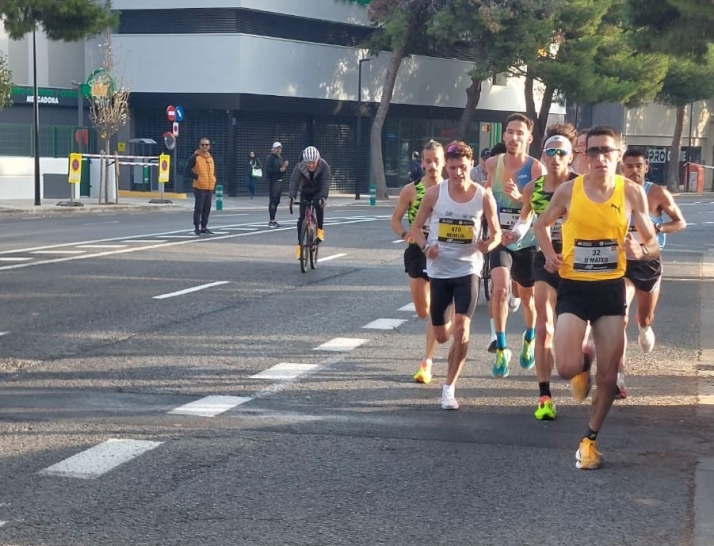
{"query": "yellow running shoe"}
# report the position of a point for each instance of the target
(545, 410)
(423, 374)
(320, 234)
(297, 252)
(587, 457)
(580, 384)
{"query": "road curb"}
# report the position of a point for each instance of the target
(94, 209)
(704, 473)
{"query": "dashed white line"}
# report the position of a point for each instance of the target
(334, 256)
(284, 370)
(189, 290)
(4, 333)
(2, 523)
(341, 344)
(397, 241)
(409, 308)
(100, 459)
(143, 240)
(210, 406)
(59, 252)
(384, 324)
(101, 246)
(13, 259)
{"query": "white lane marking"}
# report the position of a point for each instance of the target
(142, 240)
(384, 324)
(397, 241)
(341, 344)
(14, 259)
(409, 308)
(101, 246)
(189, 290)
(100, 223)
(242, 228)
(100, 459)
(160, 244)
(282, 385)
(210, 406)
(59, 252)
(284, 370)
(2, 523)
(192, 236)
(4, 333)
(326, 258)
(231, 215)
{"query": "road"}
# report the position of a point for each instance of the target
(162, 389)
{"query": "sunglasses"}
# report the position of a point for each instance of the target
(596, 151)
(552, 152)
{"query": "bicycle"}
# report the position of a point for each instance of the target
(486, 269)
(309, 245)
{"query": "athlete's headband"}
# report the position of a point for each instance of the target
(558, 141)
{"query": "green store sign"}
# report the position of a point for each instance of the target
(50, 96)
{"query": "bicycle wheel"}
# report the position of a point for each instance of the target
(486, 278)
(304, 248)
(314, 247)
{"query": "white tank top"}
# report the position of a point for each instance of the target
(455, 228)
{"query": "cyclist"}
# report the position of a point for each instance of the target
(312, 177)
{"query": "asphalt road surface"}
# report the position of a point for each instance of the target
(162, 389)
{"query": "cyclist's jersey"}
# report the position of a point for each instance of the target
(414, 205)
(661, 237)
(509, 210)
(455, 227)
(594, 235)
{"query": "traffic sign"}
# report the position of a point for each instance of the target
(175, 129)
(164, 163)
(75, 168)
(179, 113)
(171, 113)
(169, 140)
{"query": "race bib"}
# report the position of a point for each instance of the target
(597, 256)
(456, 231)
(556, 230)
(508, 217)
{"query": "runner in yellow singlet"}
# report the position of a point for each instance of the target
(595, 244)
(414, 260)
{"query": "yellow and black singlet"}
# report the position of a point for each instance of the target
(414, 205)
(594, 235)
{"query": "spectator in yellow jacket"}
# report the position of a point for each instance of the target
(202, 170)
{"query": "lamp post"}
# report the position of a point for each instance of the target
(358, 166)
(80, 116)
(689, 148)
(36, 114)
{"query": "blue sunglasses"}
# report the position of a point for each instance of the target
(552, 152)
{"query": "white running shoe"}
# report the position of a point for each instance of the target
(448, 400)
(621, 392)
(513, 303)
(646, 339)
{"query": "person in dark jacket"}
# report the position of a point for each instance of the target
(274, 169)
(255, 172)
(312, 178)
(416, 171)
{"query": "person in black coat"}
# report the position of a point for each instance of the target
(255, 172)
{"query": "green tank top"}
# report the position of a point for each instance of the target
(540, 199)
(414, 205)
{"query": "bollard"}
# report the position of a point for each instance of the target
(219, 197)
(372, 195)
(145, 178)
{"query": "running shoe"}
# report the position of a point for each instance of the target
(621, 392)
(320, 235)
(423, 374)
(500, 365)
(545, 410)
(197, 231)
(492, 346)
(513, 303)
(207, 231)
(580, 384)
(297, 252)
(587, 457)
(646, 339)
(448, 400)
(527, 353)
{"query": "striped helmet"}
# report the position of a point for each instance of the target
(310, 154)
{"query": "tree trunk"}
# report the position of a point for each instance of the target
(541, 122)
(473, 96)
(106, 174)
(673, 169)
(101, 177)
(375, 141)
(530, 99)
(116, 178)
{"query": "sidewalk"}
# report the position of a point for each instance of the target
(52, 207)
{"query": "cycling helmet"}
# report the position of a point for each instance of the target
(310, 154)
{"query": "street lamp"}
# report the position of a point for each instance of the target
(36, 114)
(358, 167)
(80, 118)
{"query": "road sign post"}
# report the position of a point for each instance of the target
(74, 177)
(164, 165)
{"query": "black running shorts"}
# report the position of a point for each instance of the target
(540, 274)
(590, 300)
(463, 291)
(415, 262)
(644, 274)
(518, 262)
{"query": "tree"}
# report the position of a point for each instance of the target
(495, 36)
(5, 82)
(687, 81)
(591, 58)
(108, 110)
